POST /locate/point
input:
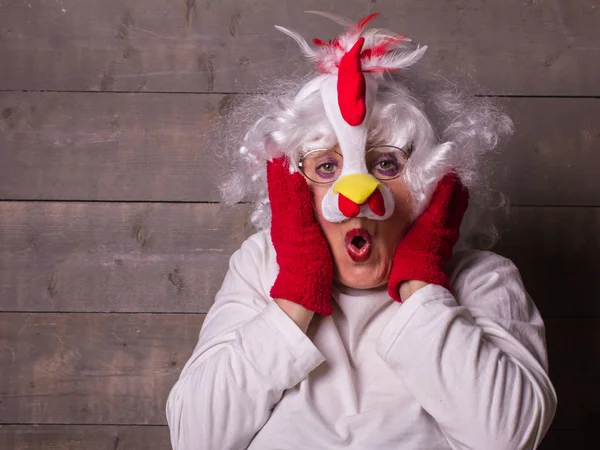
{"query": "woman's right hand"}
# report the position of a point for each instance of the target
(304, 258)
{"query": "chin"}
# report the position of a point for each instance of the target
(368, 275)
(361, 258)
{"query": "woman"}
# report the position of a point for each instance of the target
(350, 322)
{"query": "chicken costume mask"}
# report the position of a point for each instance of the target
(353, 64)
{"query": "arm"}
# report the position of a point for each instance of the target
(248, 353)
(478, 367)
(408, 288)
(298, 313)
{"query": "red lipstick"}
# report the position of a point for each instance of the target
(358, 244)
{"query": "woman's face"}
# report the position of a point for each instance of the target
(363, 248)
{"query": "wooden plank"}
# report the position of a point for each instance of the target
(108, 146)
(91, 368)
(556, 249)
(131, 147)
(554, 156)
(172, 257)
(81, 368)
(127, 437)
(512, 47)
(560, 440)
(115, 256)
(573, 346)
(84, 437)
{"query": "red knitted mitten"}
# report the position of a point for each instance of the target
(304, 258)
(426, 248)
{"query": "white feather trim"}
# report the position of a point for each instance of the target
(306, 49)
(343, 21)
(382, 49)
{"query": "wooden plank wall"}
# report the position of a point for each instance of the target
(112, 246)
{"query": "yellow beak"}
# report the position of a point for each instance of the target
(357, 187)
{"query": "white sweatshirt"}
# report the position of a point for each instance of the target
(465, 369)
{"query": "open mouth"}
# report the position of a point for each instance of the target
(358, 244)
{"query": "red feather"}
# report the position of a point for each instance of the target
(365, 20)
(378, 69)
(382, 47)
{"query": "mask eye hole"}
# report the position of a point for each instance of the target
(386, 162)
(321, 165)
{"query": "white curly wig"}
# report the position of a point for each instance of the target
(449, 129)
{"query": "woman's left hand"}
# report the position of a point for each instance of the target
(426, 248)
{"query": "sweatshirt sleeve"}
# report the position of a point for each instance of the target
(248, 353)
(476, 363)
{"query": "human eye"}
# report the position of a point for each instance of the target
(386, 166)
(386, 161)
(327, 168)
(322, 166)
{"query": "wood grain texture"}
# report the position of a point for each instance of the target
(108, 146)
(84, 437)
(557, 251)
(516, 47)
(133, 147)
(554, 156)
(562, 439)
(115, 256)
(91, 335)
(83, 368)
(91, 368)
(128, 437)
(573, 349)
(173, 257)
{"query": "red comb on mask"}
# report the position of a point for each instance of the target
(351, 86)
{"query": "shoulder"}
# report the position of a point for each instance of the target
(479, 266)
(244, 292)
(490, 284)
(245, 288)
(255, 261)
(257, 248)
